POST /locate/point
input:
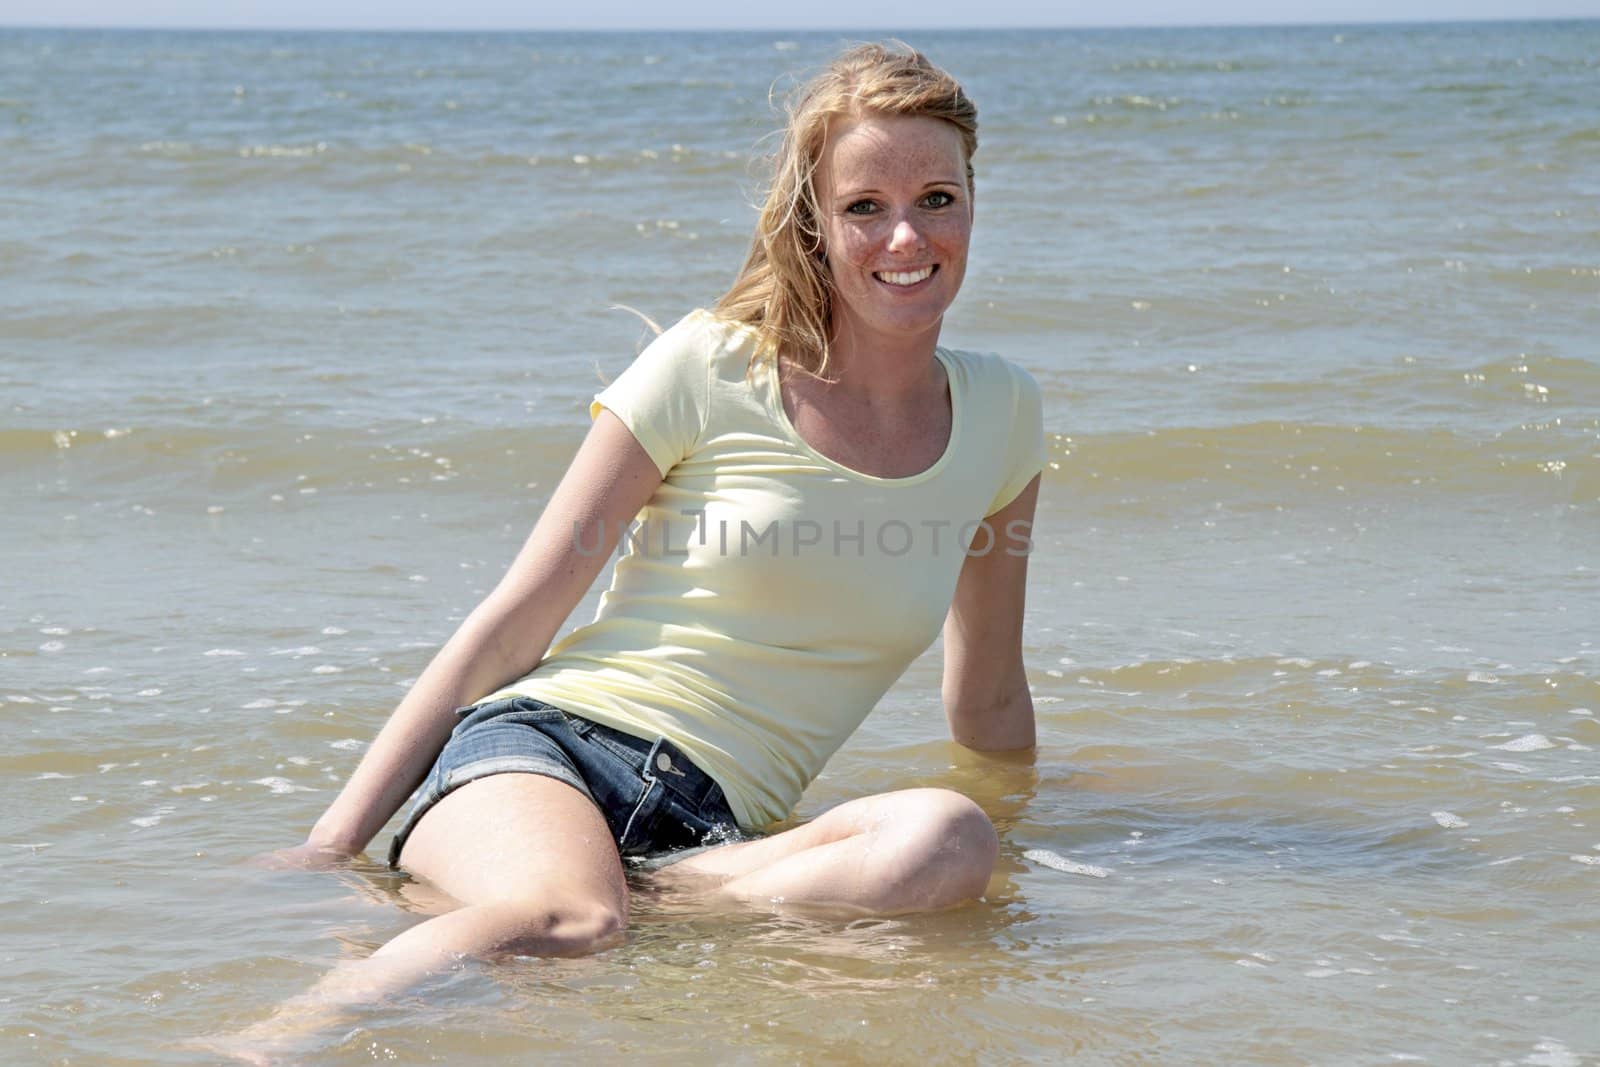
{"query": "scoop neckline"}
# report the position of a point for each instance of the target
(775, 402)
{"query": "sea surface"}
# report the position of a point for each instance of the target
(297, 332)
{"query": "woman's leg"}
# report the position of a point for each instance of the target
(913, 850)
(531, 862)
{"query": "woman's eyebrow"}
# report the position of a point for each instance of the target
(845, 194)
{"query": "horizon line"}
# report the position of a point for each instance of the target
(776, 28)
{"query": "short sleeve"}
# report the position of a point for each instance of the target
(661, 398)
(1025, 451)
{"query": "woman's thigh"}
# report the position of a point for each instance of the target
(517, 837)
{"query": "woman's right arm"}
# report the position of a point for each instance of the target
(610, 479)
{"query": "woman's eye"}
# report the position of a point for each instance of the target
(861, 207)
(940, 199)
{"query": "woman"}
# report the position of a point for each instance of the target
(801, 474)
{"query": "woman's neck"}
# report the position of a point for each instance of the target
(882, 370)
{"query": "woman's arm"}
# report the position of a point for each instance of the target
(610, 479)
(986, 697)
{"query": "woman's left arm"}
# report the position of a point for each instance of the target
(986, 698)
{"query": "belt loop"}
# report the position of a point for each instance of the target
(666, 763)
(578, 724)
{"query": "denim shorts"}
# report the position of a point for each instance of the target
(654, 800)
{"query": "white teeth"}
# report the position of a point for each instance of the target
(909, 277)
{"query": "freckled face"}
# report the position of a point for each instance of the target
(896, 222)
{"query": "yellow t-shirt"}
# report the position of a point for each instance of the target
(767, 596)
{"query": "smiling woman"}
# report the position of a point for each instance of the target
(691, 714)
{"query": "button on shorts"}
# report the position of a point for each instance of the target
(652, 797)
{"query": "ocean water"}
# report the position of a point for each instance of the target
(297, 331)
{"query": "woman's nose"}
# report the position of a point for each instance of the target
(904, 236)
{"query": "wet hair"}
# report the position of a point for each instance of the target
(784, 290)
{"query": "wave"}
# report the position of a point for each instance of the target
(1245, 463)
(1265, 676)
(1273, 458)
(220, 462)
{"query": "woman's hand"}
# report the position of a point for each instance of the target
(302, 857)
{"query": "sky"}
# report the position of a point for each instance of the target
(739, 14)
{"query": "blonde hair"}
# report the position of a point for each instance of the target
(784, 290)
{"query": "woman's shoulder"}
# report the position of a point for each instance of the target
(698, 340)
(726, 332)
(986, 372)
(704, 336)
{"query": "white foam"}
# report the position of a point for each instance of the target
(1552, 1053)
(1449, 821)
(1590, 861)
(223, 652)
(1527, 743)
(1045, 857)
(282, 785)
(154, 817)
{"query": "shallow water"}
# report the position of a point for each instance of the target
(297, 332)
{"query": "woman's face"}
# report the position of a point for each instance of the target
(896, 221)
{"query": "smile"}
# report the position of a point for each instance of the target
(907, 277)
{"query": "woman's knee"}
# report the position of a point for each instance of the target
(535, 928)
(956, 837)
